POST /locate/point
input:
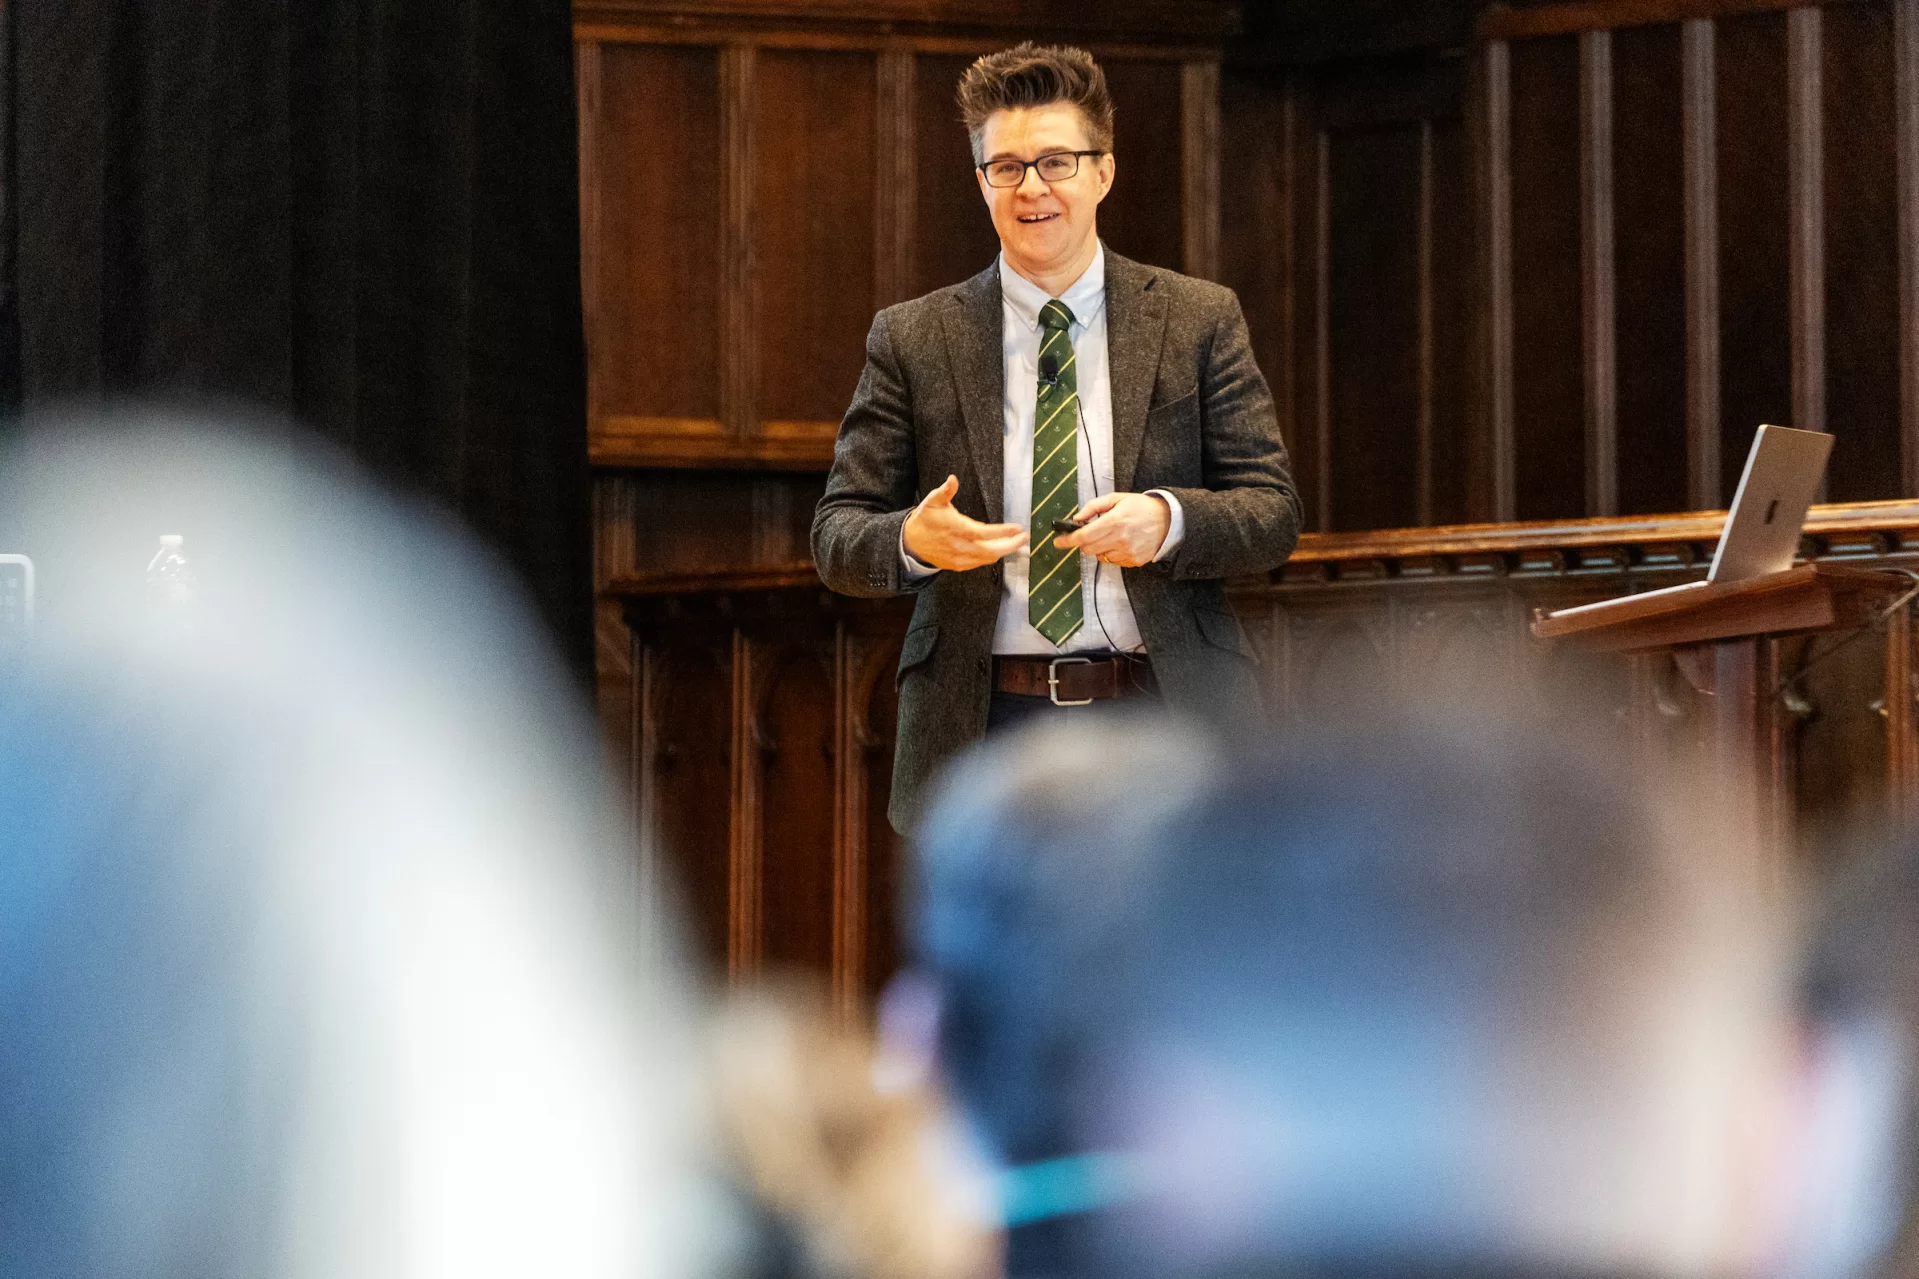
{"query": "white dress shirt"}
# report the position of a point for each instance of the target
(1109, 621)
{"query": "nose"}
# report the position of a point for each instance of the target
(1032, 176)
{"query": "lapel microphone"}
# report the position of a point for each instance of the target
(1049, 370)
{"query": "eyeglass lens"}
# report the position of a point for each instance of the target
(1052, 168)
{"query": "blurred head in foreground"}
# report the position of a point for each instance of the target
(1438, 995)
(1029, 884)
(1449, 993)
(1862, 1004)
(319, 949)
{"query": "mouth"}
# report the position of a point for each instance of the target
(1032, 218)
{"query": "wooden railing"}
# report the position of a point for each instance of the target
(758, 719)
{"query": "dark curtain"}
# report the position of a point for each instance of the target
(359, 213)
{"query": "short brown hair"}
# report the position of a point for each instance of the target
(1029, 75)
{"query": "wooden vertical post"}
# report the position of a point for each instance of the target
(850, 842)
(1424, 501)
(1499, 277)
(1322, 325)
(1700, 122)
(739, 331)
(1807, 198)
(1905, 17)
(1199, 167)
(1597, 272)
(896, 173)
(1902, 724)
(745, 933)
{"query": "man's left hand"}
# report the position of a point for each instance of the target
(1125, 529)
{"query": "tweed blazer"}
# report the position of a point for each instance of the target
(1191, 414)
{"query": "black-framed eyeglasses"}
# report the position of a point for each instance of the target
(1054, 166)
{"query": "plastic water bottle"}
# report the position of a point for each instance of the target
(172, 590)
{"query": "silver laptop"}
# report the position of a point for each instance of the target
(1768, 511)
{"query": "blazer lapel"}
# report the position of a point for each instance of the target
(975, 345)
(1135, 327)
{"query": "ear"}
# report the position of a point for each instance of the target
(986, 192)
(1106, 167)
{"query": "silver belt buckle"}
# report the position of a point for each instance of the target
(1052, 679)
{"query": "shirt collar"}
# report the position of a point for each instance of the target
(1084, 297)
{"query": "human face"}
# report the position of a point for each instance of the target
(1048, 230)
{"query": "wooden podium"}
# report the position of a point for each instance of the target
(1719, 636)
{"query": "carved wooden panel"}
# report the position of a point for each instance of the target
(762, 736)
(652, 151)
(814, 134)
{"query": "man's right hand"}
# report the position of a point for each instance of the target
(937, 534)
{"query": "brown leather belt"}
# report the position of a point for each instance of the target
(1073, 680)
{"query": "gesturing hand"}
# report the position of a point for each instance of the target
(937, 534)
(1125, 529)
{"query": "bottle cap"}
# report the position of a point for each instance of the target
(171, 539)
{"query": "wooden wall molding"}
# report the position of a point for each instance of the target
(1845, 530)
(1182, 22)
(1498, 22)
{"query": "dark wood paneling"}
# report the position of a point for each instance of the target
(1141, 218)
(1449, 391)
(1255, 222)
(954, 237)
(1650, 273)
(793, 740)
(1754, 289)
(656, 153)
(1374, 260)
(1355, 619)
(813, 177)
(683, 751)
(1548, 389)
(1861, 246)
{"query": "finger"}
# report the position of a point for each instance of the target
(1102, 504)
(943, 495)
(1000, 547)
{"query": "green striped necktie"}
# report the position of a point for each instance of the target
(1052, 584)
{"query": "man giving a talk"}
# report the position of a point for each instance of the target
(1063, 457)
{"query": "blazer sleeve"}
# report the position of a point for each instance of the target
(1247, 518)
(870, 490)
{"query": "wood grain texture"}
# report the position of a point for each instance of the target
(1906, 91)
(1497, 104)
(1143, 216)
(1700, 121)
(1199, 167)
(1498, 22)
(651, 244)
(1755, 221)
(1860, 211)
(953, 233)
(895, 172)
(815, 225)
(1548, 381)
(1806, 255)
(1598, 268)
(1177, 20)
(738, 354)
(1650, 279)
